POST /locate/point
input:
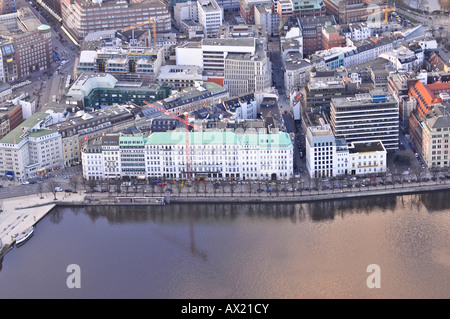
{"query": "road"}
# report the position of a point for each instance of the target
(46, 84)
(15, 189)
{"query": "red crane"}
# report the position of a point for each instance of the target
(186, 124)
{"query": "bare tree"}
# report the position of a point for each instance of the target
(74, 181)
(434, 170)
(179, 186)
(143, 186)
(277, 187)
(135, 186)
(161, 186)
(196, 186)
(332, 182)
(250, 187)
(232, 187)
(84, 182)
(317, 183)
(267, 183)
(293, 182)
(205, 187)
(90, 183)
(223, 185)
(215, 186)
(51, 187)
(153, 186)
(117, 184)
(384, 179)
(40, 190)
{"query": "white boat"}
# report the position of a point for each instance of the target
(23, 236)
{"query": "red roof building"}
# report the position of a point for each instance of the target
(428, 95)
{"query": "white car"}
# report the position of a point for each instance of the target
(58, 189)
(26, 182)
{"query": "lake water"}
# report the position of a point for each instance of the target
(318, 250)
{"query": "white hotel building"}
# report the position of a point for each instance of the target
(327, 156)
(212, 155)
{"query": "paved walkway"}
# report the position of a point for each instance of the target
(19, 213)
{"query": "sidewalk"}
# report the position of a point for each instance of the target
(19, 213)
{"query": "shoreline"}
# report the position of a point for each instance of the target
(20, 213)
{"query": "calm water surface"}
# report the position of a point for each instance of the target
(319, 250)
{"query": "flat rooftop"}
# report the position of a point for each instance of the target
(366, 147)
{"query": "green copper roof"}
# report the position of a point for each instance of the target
(218, 138)
(15, 136)
(43, 27)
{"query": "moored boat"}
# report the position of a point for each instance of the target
(23, 236)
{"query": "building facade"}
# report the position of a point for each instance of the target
(327, 156)
(367, 116)
(26, 46)
(210, 16)
(30, 150)
(225, 155)
(83, 17)
(436, 137)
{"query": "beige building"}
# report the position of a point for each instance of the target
(25, 43)
(436, 136)
(75, 130)
(82, 17)
(29, 151)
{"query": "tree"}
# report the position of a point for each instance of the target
(179, 187)
(384, 179)
(223, 185)
(250, 186)
(277, 187)
(293, 182)
(51, 187)
(127, 187)
(143, 186)
(135, 185)
(259, 185)
(117, 184)
(310, 179)
(152, 186)
(90, 183)
(196, 186)
(162, 185)
(317, 183)
(332, 182)
(40, 190)
(418, 172)
(102, 184)
(84, 182)
(74, 181)
(232, 187)
(205, 187)
(434, 170)
(267, 183)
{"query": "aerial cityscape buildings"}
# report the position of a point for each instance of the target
(243, 78)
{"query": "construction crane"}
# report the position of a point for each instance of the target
(386, 11)
(132, 27)
(186, 124)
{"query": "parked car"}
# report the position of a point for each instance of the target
(58, 189)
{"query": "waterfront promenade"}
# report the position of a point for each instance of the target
(19, 213)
